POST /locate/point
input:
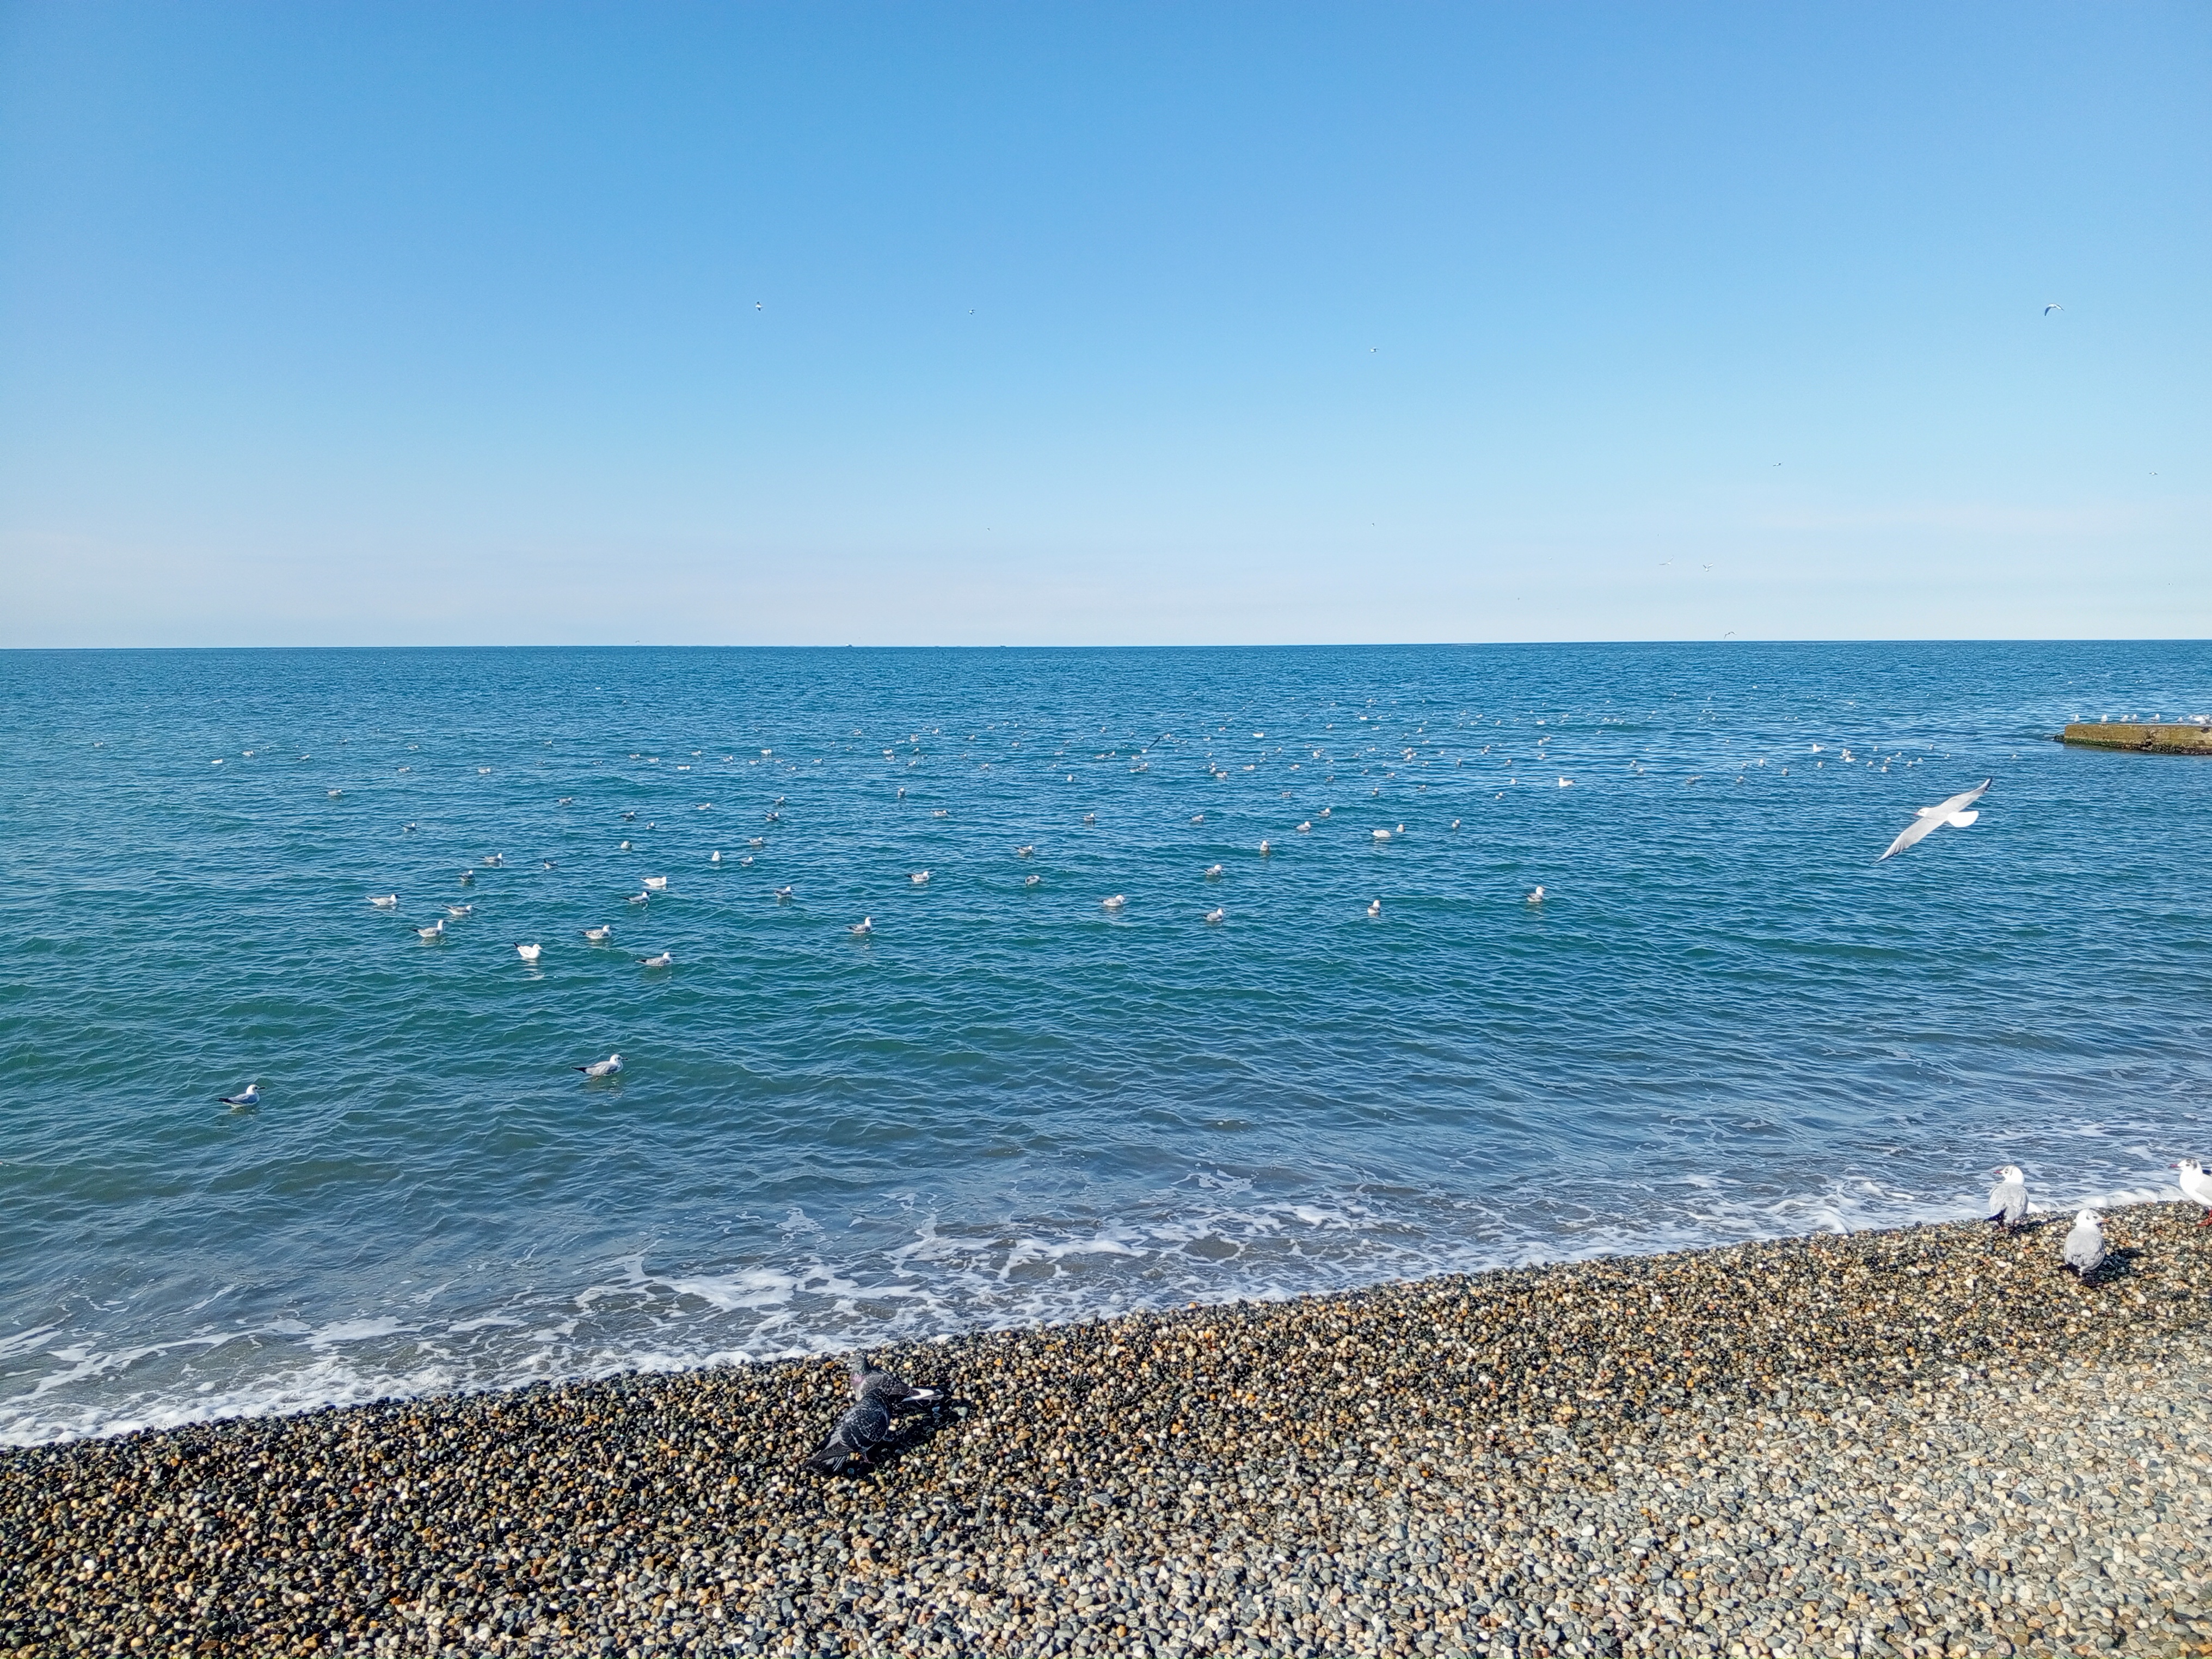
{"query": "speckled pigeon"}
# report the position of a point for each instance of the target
(877, 1397)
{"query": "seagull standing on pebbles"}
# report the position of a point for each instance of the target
(2198, 1185)
(2009, 1198)
(606, 1067)
(865, 1427)
(2085, 1244)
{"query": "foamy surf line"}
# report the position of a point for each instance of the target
(932, 1287)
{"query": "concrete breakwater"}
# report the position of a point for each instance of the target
(2153, 738)
(1930, 1440)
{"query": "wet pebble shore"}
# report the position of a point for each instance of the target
(1925, 1441)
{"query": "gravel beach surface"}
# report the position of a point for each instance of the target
(1925, 1441)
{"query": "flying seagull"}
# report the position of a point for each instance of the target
(2085, 1244)
(2053, 306)
(606, 1067)
(1952, 812)
(2009, 1198)
(249, 1095)
(865, 1427)
(2194, 1182)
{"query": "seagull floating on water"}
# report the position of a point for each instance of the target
(2009, 1198)
(783, 893)
(1306, 829)
(388, 902)
(640, 898)
(457, 911)
(1032, 881)
(656, 884)
(1215, 914)
(435, 930)
(1213, 873)
(599, 935)
(663, 960)
(714, 857)
(606, 1067)
(1264, 850)
(863, 928)
(1537, 896)
(866, 1426)
(1023, 852)
(1952, 812)
(1375, 909)
(249, 1095)
(2198, 1185)
(919, 877)
(529, 952)
(2085, 1244)
(1114, 902)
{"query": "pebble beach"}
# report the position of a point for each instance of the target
(1925, 1441)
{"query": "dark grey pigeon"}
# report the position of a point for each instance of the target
(865, 1427)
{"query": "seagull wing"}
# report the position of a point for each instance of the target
(1934, 816)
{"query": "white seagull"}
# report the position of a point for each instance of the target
(640, 898)
(714, 857)
(663, 960)
(2009, 1198)
(606, 1067)
(388, 902)
(919, 877)
(783, 893)
(2198, 1185)
(863, 928)
(657, 884)
(1375, 909)
(1213, 873)
(1215, 914)
(435, 930)
(1306, 829)
(457, 911)
(1380, 834)
(1023, 852)
(529, 952)
(2053, 306)
(1032, 881)
(1536, 896)
(249, 1095)
(1114, 902)
(1952, 812)
(599, 935)
(1264, 850)
(2085, 1244)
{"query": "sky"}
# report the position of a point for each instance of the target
(1104, 324)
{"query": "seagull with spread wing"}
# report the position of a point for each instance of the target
(1953, 812)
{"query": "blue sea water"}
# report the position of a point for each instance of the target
(1008, 1103)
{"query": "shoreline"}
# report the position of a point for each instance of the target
(1869, 1443)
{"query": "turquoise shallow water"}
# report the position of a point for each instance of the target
(1008, 1105)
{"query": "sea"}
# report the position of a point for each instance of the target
(1322, 1036)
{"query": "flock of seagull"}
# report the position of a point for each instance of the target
(2083, 1251)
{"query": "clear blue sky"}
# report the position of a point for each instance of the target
(1103, 323)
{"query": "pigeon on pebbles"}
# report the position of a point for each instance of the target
(866, 1426)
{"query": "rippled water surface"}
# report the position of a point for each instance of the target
(1006, 1102)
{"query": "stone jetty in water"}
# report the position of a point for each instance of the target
(2149, 738)
(1931, 1440)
